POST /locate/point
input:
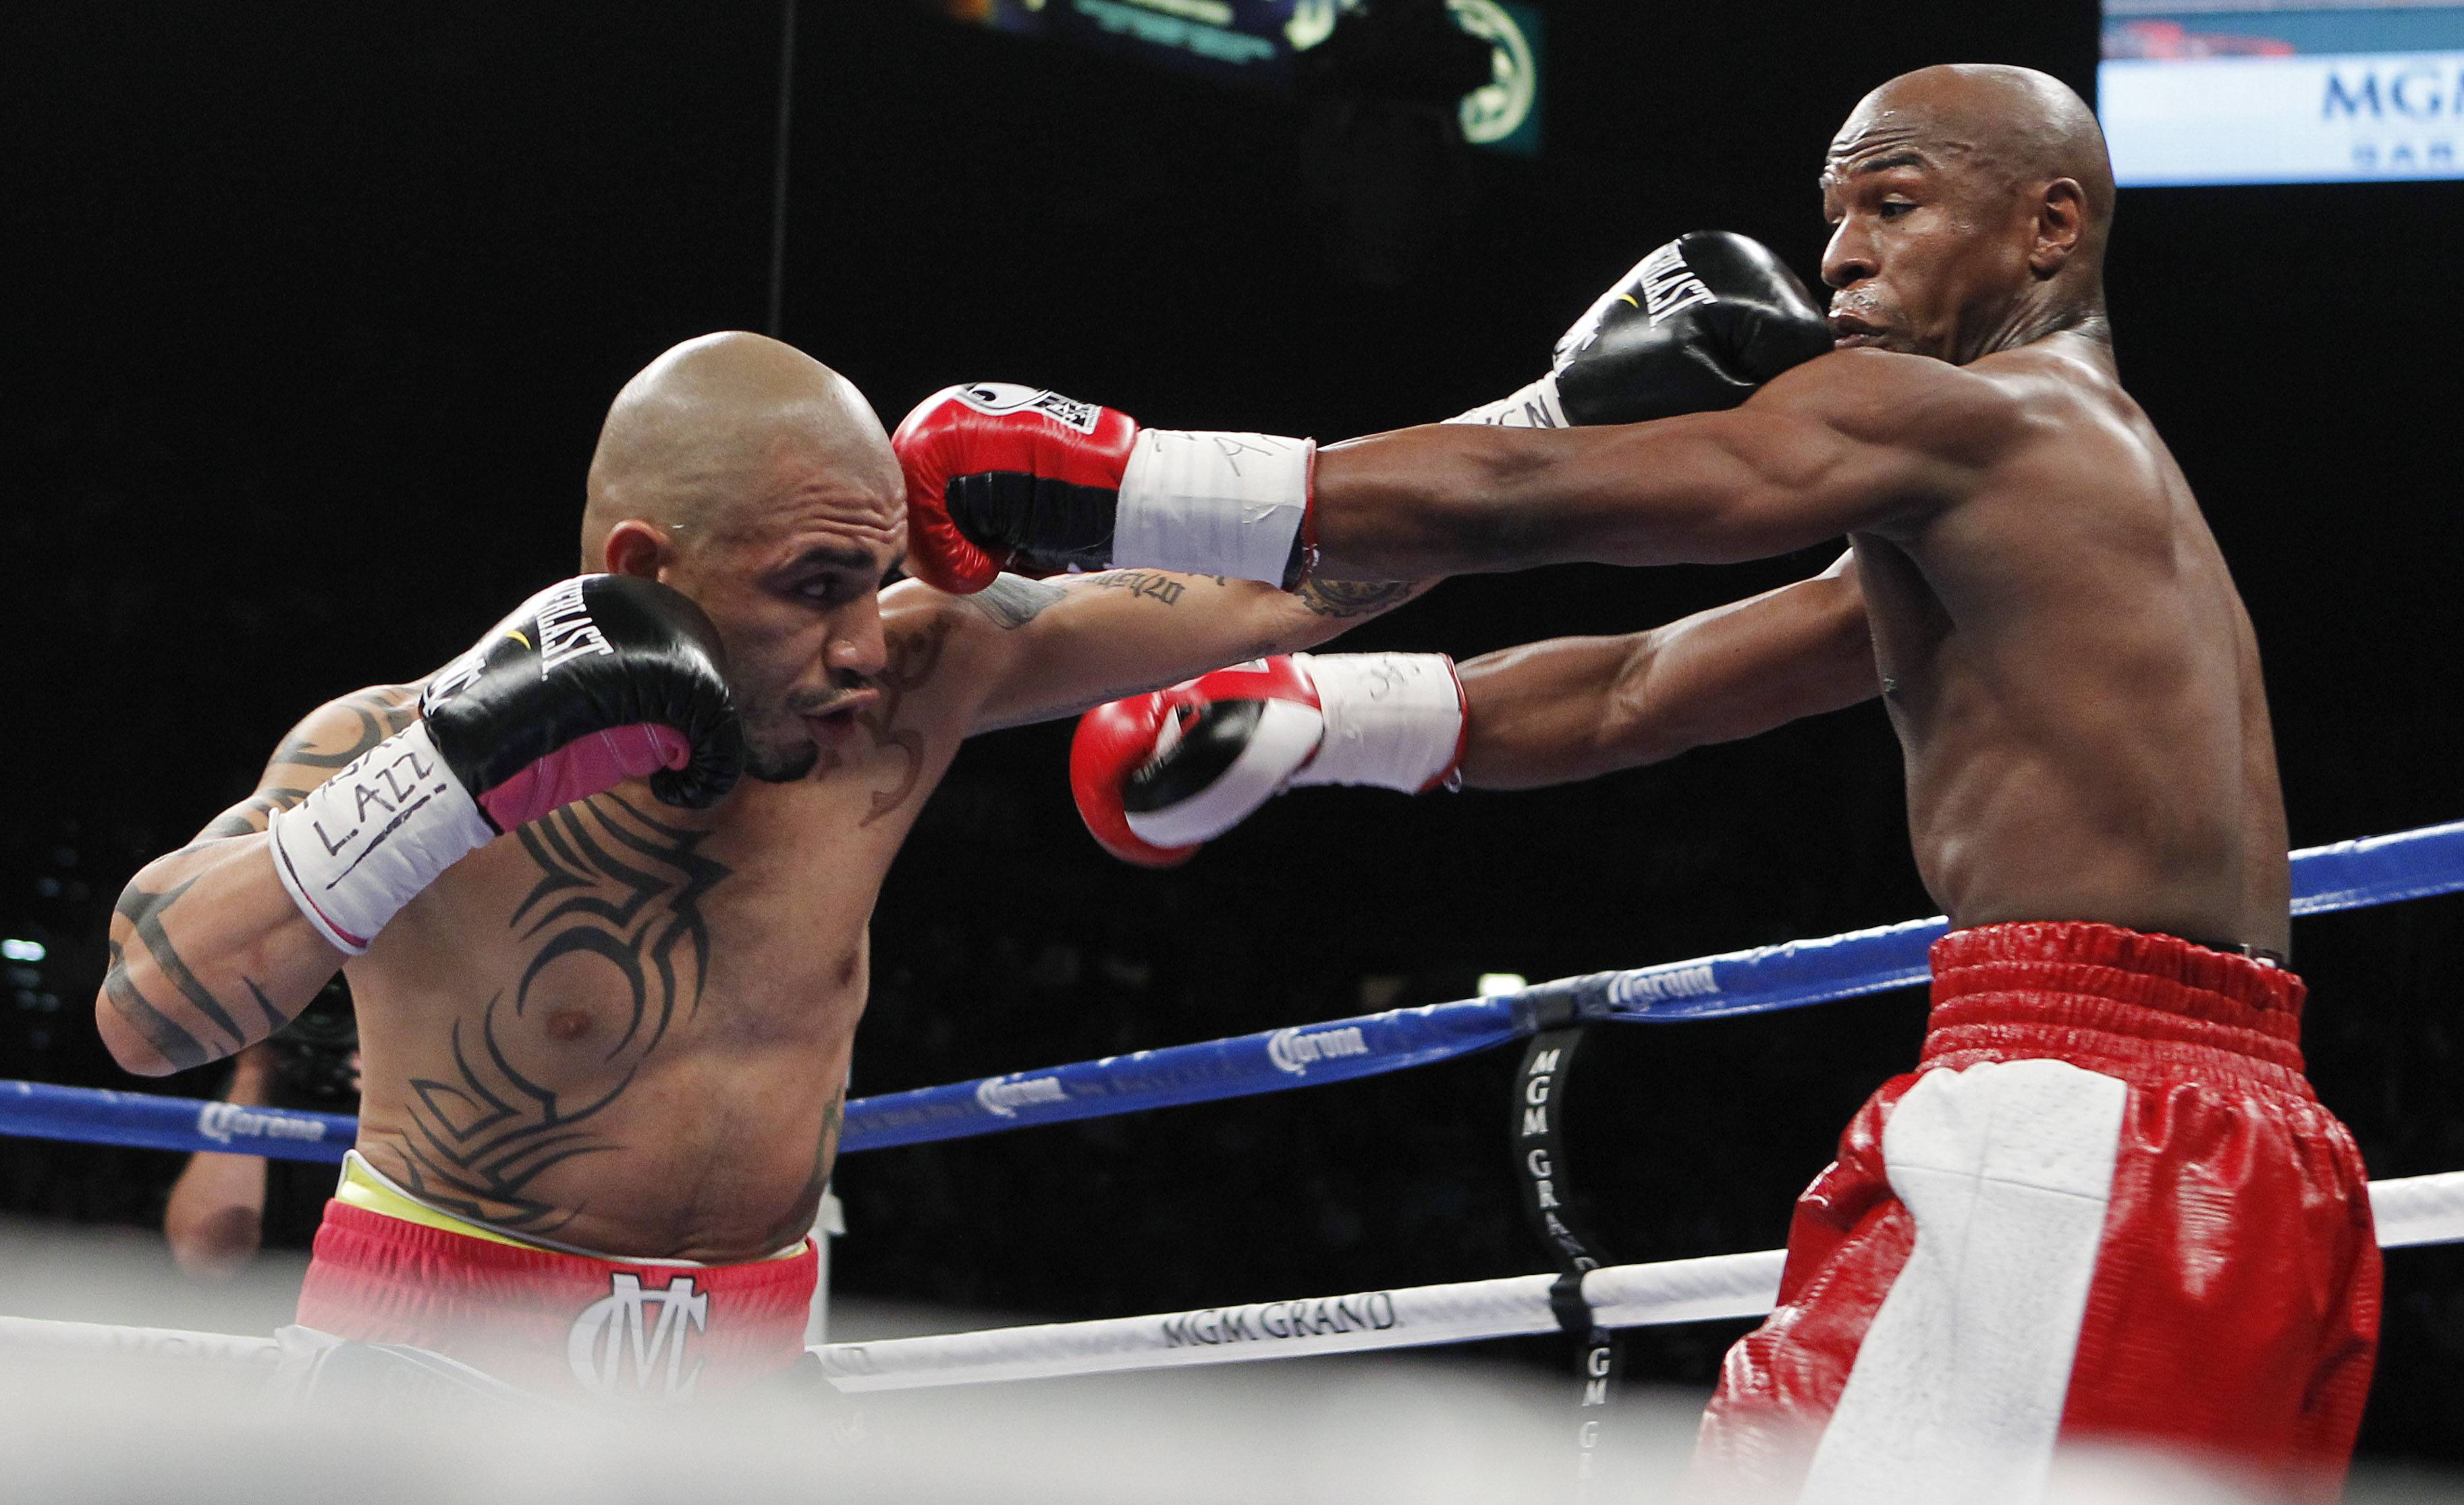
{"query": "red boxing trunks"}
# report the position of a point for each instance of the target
(565, 1325)
(2106, 1206)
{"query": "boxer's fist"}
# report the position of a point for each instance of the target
(1694, 327)
(1005, 478)
(589, 683)
(1157, 776)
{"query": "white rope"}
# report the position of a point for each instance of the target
(2417, 1210)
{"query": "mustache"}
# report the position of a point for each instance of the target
(848, 687)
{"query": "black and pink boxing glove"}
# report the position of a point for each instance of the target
(588, 684)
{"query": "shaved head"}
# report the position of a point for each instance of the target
(2023, 126)
(1969, 206)
(757, 481)
(714, 427)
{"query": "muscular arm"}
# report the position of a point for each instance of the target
(1578, 707)
(208, 953)
(1037, 649)
(1856, 441)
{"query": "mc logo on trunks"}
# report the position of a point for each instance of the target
(617, 1332)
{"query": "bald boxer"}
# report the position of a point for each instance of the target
(602, 886)
(2107, 1203)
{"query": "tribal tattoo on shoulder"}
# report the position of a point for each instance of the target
(912, 661)
(617, 890)
(380, 714)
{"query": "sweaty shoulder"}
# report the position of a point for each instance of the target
(1966, 415)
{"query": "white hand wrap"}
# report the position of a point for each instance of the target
(1392, 719)
(366, 841)
(1533, 407)
(1212, 503)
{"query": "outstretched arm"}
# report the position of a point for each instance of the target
(1852, 442)
(1575, 708)
(208, 954)
(1037, 650)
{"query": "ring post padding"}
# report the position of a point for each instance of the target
(2349, 875)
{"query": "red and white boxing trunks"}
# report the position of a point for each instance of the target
(2106, 1206)
(552, 1323)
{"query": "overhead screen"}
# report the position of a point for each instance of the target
(2282, 91)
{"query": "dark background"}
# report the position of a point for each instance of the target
(319, 307)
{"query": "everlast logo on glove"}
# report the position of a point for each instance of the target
(1000, 397)
(565, 631)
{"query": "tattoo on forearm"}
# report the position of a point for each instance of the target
(617, 890)
(913, 659)
(1151, 583)
(1354, 598)
(184, 1045)
(1013, 601)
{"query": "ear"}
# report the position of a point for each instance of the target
(2062, 218)
(635, 547)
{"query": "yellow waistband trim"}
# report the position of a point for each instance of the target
(367, 1188)
(363, 1186)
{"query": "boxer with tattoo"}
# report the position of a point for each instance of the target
(602, 885)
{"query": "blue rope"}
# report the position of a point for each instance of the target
(2351, 874)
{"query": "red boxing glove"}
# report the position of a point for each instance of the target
(1157, 776)
(1013, 478)
(1007, 477)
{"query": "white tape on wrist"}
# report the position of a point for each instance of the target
(1212, 503)
(1533, 407)
(1392, 719)
(366, 841)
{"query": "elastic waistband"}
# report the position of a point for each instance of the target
(2126, 997)
(370, 1242)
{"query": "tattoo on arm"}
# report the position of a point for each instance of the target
(1354, 598)
(184, 1045)
(617, 890)
(913, 659)
(1153, 585)
(1013, 601)
(380, 713)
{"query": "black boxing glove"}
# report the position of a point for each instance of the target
(1695, 327)
(589, 683)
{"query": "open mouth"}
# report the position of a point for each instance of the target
(836, 716)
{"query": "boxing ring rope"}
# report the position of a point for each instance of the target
(2417, 1210)
(2350, 875)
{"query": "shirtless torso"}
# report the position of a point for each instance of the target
(624, 1028)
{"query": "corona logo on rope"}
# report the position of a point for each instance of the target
(1292, 1051)
(999, 1096)
(1645, 987)
(617, 1336)
(221, 1121)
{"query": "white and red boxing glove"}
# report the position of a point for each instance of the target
(1157, 776)
(1006, 477)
